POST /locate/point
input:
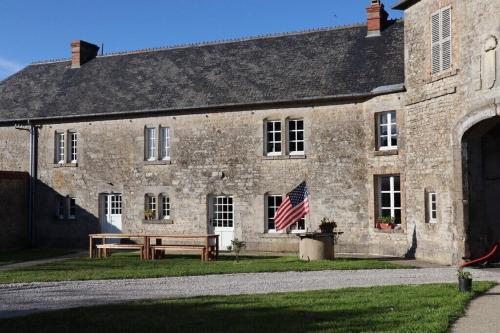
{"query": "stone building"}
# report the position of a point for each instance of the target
(388, 118)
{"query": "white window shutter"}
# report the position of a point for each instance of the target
(446, 38)
(436, 45)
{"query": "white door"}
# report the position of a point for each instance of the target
(111, 213)
(222, 220)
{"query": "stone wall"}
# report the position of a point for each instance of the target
(13, 209)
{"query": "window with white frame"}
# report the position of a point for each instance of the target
(150, 144)
(431, 207)
(222, 212)
(273, 138)
(296, 137)
(60, 207)
(72, 208)
(389, 197)
(73, 144)
(66, 208)
(387, 130)
(441, 54)
(273, 202)
(60, 147)
(151, 208)
(165, 143)
(165, 206)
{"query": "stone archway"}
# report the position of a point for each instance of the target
(481, 182)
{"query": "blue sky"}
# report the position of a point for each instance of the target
(35, 30)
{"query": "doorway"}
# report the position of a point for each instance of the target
(221, 221)
(110, 212)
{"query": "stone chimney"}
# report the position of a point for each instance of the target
(82, 52)
(377, 18)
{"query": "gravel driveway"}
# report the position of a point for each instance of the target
(24, 298)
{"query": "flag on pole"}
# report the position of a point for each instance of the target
(293, 208)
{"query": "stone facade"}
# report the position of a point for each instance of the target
(14, 209)
(223, 153)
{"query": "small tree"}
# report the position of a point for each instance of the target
(236, 247)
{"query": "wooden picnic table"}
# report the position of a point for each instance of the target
(104, 237)
(147, 246)
(206, 239)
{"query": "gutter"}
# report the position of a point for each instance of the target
(383, 90)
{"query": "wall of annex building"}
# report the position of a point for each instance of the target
(440, 109)
(339, 165)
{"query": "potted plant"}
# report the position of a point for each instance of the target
(326, 226)
(386, 222)
(464, 281)
(236, 247)
(149, 214)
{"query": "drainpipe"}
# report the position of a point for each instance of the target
(33, 173)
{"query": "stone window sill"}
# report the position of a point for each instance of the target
(160, 221)
(158, 162)
(390, 231)
(276, 235)
(386, 152)
(444, 75)
(65, 165)
(285, 157)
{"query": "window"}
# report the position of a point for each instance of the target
(441, 40)
(73, 142)
(165, 143)
(387, 131)
(60, 207)
(150, 144)
(60, 148)
(72, 208)
(66, 208)
(165, 206)
(273, 202)
(389, 197)
(296, 137)
(273, 132)
(151, 210)
(223, 212)
(431, 207)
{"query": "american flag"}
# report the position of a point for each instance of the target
(293, 208)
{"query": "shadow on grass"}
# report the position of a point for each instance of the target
(430, 308)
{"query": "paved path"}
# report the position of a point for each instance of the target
(482, 314)
(20, 299)
(42, 261)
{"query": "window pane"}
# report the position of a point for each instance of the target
(383, 130)
(396, 183)
(385, 183)
(386, 213)
(300, 146)
(397, 216)
(383, 118)
(386, 200)
(292, 125)
(394, 141)
(397, 200)
(383, 141)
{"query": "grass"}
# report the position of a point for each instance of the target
(128, 265)
(426, 308)
(14, 256)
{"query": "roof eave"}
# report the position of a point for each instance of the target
(404, 4)
(384, 90)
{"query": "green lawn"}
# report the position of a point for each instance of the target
(15, 256)
(427, 308)
(128, 265)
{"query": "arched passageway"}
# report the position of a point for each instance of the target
(481, 175)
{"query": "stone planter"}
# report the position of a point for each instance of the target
(316, 247)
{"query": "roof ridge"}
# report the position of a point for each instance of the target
(213, 42)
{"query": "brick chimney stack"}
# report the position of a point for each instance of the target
(82, 52)
(377, 18)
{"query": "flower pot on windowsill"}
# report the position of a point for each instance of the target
(385, 226)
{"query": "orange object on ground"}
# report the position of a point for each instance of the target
(482, 259)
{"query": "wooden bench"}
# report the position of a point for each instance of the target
(179, 248)
(103, 249)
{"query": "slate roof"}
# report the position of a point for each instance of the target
(290, 67)
(404, 4)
